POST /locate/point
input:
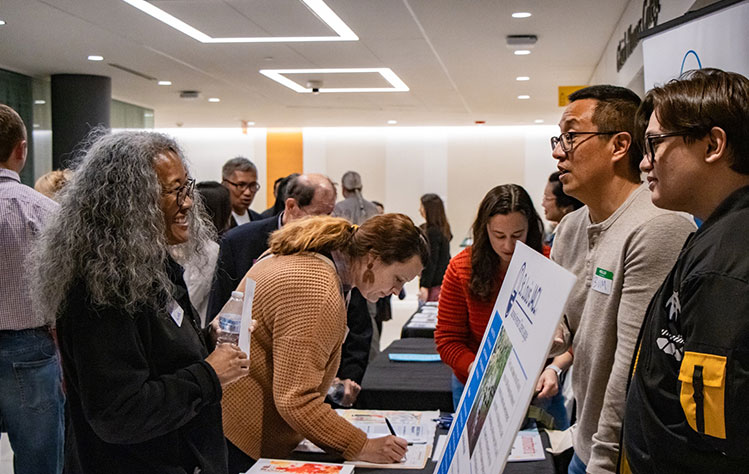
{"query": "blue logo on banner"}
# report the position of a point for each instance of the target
(684, 60)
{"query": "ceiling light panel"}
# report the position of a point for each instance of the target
(317, 7)
(280, 76)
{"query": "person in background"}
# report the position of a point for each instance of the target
(51, 183)
(199, 271)
(438, 233)
(506, 215)
(31, 394)
(300, 323)
(239, 175)
(143, 390)
(620, 247)
(556, 205)
(384, 308)
(307, 194)
(354, 207)
(687, 400)
(357, 210)
(279, 192)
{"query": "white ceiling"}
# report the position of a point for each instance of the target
(450, 53)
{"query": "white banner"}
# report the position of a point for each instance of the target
(510, 358)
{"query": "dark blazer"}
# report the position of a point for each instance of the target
(239, 248)
(141, 397)
(439, 257)
(254, 216)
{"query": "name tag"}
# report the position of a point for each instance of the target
(603, 280)
(176, 312)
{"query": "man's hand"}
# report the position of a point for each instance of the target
(351, 390)
(548, 384)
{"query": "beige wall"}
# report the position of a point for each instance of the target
(397, 165)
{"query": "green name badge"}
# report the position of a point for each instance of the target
(603, 280)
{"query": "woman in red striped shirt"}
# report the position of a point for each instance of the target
(473, 277)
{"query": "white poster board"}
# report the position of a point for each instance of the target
(512, 353)
(720, 40)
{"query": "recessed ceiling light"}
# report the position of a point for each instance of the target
(522, 52)
(147, 114)
(214, 99)
(524, 97)
(392, 122)
(165, 83)
(250, 124)
(278, 75)
(522, 78)
(2, 22)
(538, 121)
(94, 57)
(521, 15)
(318, 7)
(40, 102)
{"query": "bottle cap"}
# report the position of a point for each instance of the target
(237, 294)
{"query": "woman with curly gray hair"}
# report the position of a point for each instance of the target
(143, 392)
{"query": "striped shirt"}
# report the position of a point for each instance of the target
(23, 213)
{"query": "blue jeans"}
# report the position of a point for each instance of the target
(576, 466)
(457, 389)
(32, 400)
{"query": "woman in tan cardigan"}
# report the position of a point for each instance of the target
(300, 323)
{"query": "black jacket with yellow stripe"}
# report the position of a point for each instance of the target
(688, 400)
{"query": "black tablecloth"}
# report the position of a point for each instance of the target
(406, 385)
(407, 331)
(529, 467)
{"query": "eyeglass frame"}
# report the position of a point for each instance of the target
(558, 140)
(183, 192)
(255, 186)
(650, 146)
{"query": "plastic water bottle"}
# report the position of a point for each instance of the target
(230, 318)
(336, 392)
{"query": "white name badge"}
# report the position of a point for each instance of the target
(603, 280)
(176, 312)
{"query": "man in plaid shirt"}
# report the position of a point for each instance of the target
(31, 396)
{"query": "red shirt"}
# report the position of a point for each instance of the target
(461, 319)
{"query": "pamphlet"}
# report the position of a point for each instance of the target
(264, 466)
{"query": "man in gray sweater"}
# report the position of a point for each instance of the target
(621, 247)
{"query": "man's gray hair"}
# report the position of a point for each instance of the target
(239, 163)
(110, 232)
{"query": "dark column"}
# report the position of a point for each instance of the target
(79, 103)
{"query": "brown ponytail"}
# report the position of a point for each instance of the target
(390, 237)
(312, 234)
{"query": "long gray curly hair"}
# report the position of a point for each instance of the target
(110, 232)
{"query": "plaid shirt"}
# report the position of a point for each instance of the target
(23, 213)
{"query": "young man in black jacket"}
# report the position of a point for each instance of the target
(687, 400)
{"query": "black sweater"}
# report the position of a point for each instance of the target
(141, 397)
(439, 257)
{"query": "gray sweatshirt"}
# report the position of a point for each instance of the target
(619, 264)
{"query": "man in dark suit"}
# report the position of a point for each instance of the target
(307, 195)
(239, 176)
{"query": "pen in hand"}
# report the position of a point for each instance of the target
(392, 431)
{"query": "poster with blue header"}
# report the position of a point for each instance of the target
(510, 358)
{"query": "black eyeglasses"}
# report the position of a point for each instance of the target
(245, 186)
(183, 191)
(567, 138)
(652, 140)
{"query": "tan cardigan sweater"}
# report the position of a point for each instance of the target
(294, 354)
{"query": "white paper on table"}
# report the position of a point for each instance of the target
(527, 447)
(416, 458)
(244, 327)
(439, 447)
